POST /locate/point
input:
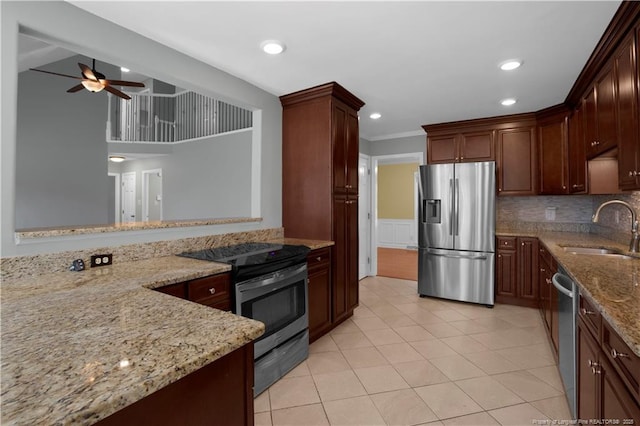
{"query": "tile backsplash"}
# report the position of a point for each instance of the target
(572, 214)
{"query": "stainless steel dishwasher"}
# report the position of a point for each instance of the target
(567, 310)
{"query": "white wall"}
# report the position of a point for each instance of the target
(67, 26)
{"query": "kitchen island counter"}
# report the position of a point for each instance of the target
(612, 284)
(79, 346)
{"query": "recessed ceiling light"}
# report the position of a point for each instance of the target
(508, 102)
(511, 64)
(123, 69)
(116, 158)
(375, 116)
(273, 47)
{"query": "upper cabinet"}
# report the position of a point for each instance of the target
(509, 140)
(600, 114)
(345, 148)
(627, 74)
(462, 147)
(517, 161)
(553, 150)
(577, 155)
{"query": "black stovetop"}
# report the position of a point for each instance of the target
(250, 260)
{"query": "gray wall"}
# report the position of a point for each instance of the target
(50, 20)
(61, 172)
(209, 178)
(400, 146)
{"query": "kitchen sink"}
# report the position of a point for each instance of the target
(597, 251)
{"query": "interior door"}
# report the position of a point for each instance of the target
(129, 197)
(364, 216)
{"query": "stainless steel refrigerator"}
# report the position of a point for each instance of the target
(456, 234)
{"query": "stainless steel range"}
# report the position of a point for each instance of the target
(270, 282)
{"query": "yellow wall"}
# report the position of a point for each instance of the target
(395, 191)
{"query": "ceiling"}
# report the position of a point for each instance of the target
(415, 63)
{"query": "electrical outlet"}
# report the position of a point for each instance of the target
(101, 260)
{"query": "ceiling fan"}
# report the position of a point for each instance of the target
(95, 81)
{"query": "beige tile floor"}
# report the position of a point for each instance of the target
(406, 360)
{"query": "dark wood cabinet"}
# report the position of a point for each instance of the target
(553, 155)
(213, 291)
(517, 271)
(320, 181)
(218, 393)
(517, 161)
(463, 147)
(577, 154)
(626, 70)
(320, 295)
(548, 296)
(600, 114)
(603, 392)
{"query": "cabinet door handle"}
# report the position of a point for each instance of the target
(595, 370)
(584, 311)
(212, 290)
(461, 158)
(616, 354)
(543, 270)
(593, 364)
(318, 258)
(633, 173)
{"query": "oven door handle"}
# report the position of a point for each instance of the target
(278, 276)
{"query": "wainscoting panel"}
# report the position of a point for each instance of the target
(397, 233)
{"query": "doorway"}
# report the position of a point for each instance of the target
(152, 195)
(129, 197)
(114, 198)
(364, 216)
(395, 230)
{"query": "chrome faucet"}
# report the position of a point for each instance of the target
(635, 237)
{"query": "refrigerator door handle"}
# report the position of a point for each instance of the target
(451, 206)
(457, 206)
(457, 256)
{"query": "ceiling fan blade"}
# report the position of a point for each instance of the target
(56, 73)
(75, 88)
(86, 71)
(124, 83)
(116, 92)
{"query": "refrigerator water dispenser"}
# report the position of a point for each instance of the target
(431, 211)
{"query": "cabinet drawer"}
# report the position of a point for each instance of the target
(591, 317)
(177, 290)
(209, 290)
(319, 258)
(506, 243)
(625, 362)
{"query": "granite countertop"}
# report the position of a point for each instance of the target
(312, 244)
(79, 346)
(612, 284)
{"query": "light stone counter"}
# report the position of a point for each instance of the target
(312, 244)
(611, 283)
(79, 346)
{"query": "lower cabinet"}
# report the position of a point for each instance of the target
(548, 296)
(602, 391)
(517, 271)
(320, 295)
(213, 291)
(218, 393)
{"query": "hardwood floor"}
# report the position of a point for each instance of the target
(398, 263)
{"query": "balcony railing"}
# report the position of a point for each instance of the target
(172, 118)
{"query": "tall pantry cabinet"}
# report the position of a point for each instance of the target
(320, 181)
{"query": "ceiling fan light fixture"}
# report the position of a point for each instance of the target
(273, 47)
(117, 158)
(92, 86)
(510, 65)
